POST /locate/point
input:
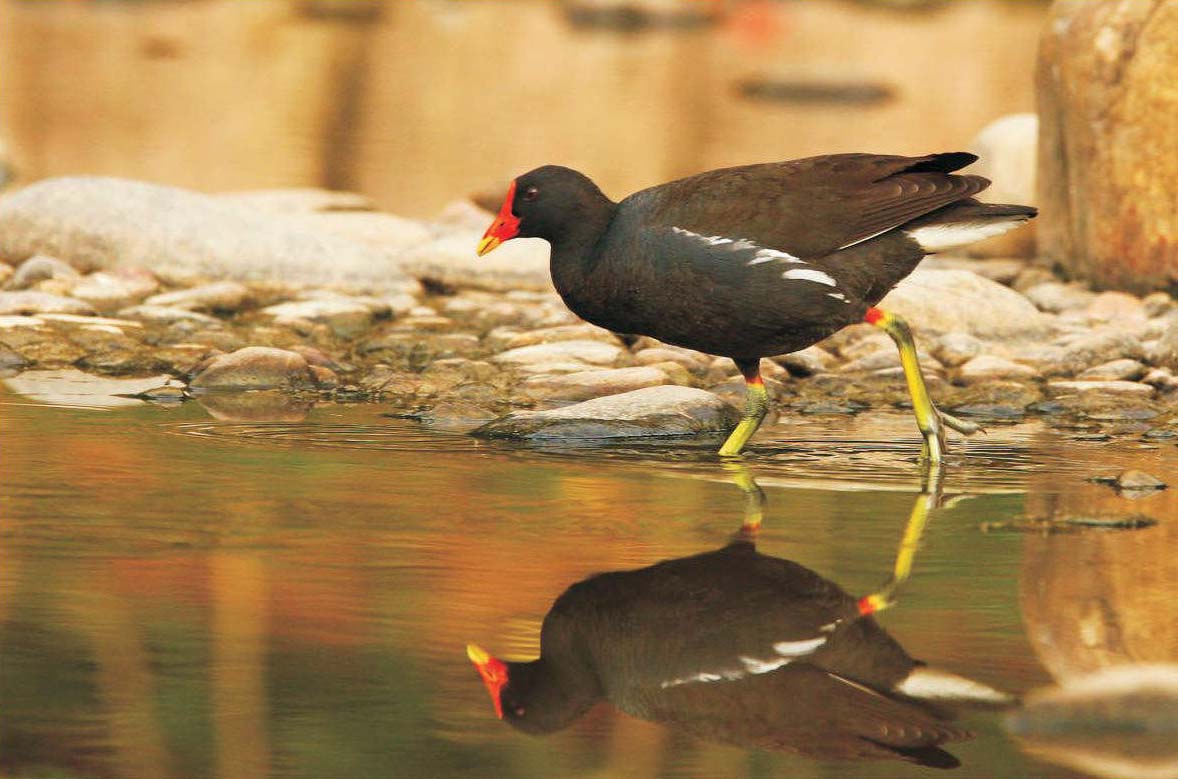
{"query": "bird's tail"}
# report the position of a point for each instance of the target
(965, 222)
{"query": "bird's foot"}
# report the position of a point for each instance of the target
(960, 425)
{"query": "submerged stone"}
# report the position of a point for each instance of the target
(654, 411)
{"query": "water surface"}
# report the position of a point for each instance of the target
(186, 597)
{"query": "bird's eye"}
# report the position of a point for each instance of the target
(531, 193)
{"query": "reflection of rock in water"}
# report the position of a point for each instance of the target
(737, 647)
(1094, 598)
(1118, 723)
(260, 406)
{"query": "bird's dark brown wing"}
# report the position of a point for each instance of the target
(809, 207)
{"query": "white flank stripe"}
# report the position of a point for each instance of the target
(769, 255)
(809, 274)
(755, 666)
(934, 684)
(732, 244)
(798, 648)
(838, 296)
(938, 238)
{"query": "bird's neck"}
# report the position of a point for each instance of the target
(557, 692)
(574, 245)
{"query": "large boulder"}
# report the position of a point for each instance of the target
(1108, 145)
(97, 223)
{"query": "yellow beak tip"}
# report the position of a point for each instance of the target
(477, 654)
(487, 244)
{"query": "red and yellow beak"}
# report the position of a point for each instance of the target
(504, 228)
(493, 671)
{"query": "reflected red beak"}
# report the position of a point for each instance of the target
(494, 674)
(504, 228)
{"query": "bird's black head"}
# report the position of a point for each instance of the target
(551, 202)
(527, 696)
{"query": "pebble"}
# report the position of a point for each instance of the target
(255, 367)
(1055, 297)
(38, 268)
(988, 367)
(1120, 308)
(450, 261)
(33, 302)
(1074, 352)
(346, 318)
(110, 291)
(954, 349)
(1115, 370)
(586, 352)
(1166, 350)
(656, 355)
(1161, 378)
(221, 296)
(654, 411)
(1107, 388)
(807, 362)
(889, 358)
(579, 332)
(584, 385)
(868, 342)
(166, 315)
(1157, 304)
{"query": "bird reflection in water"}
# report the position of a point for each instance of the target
(739, 647)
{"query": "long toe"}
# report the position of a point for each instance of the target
(960, 425)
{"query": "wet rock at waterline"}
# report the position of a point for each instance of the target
(71, 387)
(654, 411)
(255, 367)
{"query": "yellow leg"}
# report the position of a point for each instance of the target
(928, 499)
(930, 421)
(755, 408)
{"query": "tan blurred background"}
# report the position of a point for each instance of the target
(416, 102)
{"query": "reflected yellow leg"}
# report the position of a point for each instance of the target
(930, 421)
(756, 406)
(926, 501)
(754, 497)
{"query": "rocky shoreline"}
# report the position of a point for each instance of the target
(261, 303)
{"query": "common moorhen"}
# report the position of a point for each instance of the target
(757, 260)
(739, 647)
